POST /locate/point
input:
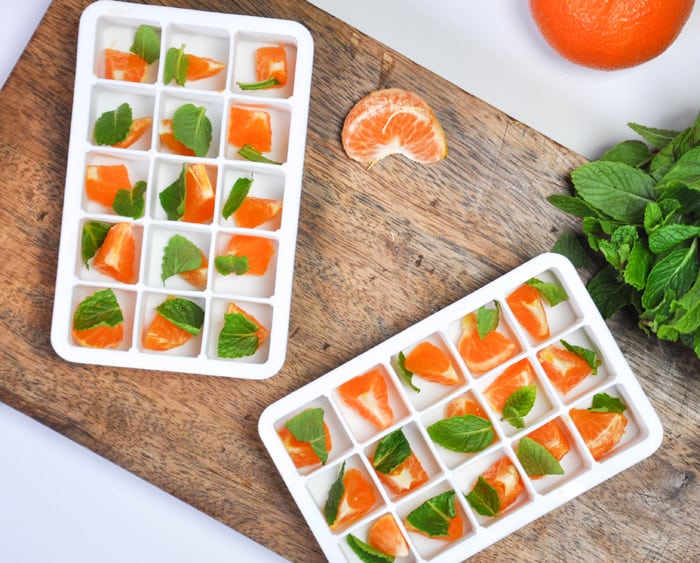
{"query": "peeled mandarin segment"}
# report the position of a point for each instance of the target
(271, 62)
(139, 126)
(393, 121)
(167, 138)
(250, 127)
(258, 250)
(255, 211)
(262, 333)
(528, 308)
(102, 182)
(198, 276)
(301, 453)
(121, 65)
(359, 497)
(564, 368)
(386, 536)
(102, 336)
(518, 375)
(369, 396)
(552, 437)
(116, 257)
(462, 406)
(202, 67)
(164, 335)
(504, 477)
(199, 195)
(455, 528)
(432, 363)
(483, 354)
(600, 430)
(406, 477)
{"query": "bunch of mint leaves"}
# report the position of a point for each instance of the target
(640, 210)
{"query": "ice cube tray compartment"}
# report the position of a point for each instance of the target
(232, 40)
(576, 320)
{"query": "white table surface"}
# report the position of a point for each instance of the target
(60, 502)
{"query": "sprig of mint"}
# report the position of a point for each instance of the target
(179, 255)
(146, 43)
(484, 498)
(335, 493)
(131, 203)
(468, 433)
(639, 206)
(391, 452)
(93, 235)
(404, 373)
(434, 515)
(176, 65)
(183, 313)
(487, 319)
(536, 459)
(238, 337)
(307, 426)
(192, 128)
(100, 308)
(366, 552)
(113, 126)
(602, 402)
(518, 404)
(235, 198)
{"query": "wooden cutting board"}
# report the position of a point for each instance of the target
(378, 250)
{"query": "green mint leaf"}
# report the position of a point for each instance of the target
(172, 198)
(146, 43)
(484, 499)
(552, 293)
(192, 128)
(180, 255)
(131, 203)
(486, 320)
(569, 246)
(262, 85)
(686, 169)
(249, 153)
(405, 374)
(366, 552)
(665, 238)
(238, 193)
(522, 399)
(230, 264)
(468, 433)
(93, 236)
(664, 160)
(658, 138)
(512, 417)
(238, 337)
(176, 65)
(573, 205)
(633, 153)
(536, 459)
(587, 354)
(608, 292)
(602, 402)
(100, 308)
(391, 452)
(307, 426)
(434, 515)
(638, 265)
(113, 127)
(183, 313)
(335, 493)
(675, 271)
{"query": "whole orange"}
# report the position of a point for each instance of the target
(610, 34)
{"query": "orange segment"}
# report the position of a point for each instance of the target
(102, 182)
(514, 377)
(202, 67)
(600, 430)
(255, 211)
(199, 195)
(455, 527)
(483, 354)
(167, 138)
(357, 499)
(528, 308)
(302, 453)
(198, 276)
(393, 121)
(262, 333)
(116, 257)
(552, 437)
(462, 406)
(258, 250)
(139, 126)
(432, 363)
(405, 477)
(564, 368)
(122, 65)
(271, 62)
(504, 477)
(385, 535)
(101, 336)
(369, 396)
(164, 335)
(250, 127)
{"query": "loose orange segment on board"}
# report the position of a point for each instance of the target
(102, 182)
(393, 121)
(302, 453)
(262, 333)
(199, 195)
(167, 138)
(386, 536)
(404, 477)
(528, 308)
(255, 211)
(116, 257)
(369, 396)
(271, 62)
(600, 430)
(514, 377)
(122, 65)
(164, 335)
(504, 477)
(483, 354)
(432, 363)
(198, 276)
(258, 250)
(102, 336)
(359, 497)
(564, 368)
(202, 67)
(139, 126)
(250, 126)
(552, 437)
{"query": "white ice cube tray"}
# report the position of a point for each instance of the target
(232, 39)
(576, 320)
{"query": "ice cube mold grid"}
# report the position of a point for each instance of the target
(231, 39)
(353, 439)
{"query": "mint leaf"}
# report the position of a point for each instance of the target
(307, 426)
(330, 509)
(586, 354)
(391, 452)
(131, 203)
(172, 198)
(602, 402)
(100, 308)
(146, 44)
(113, 127)
(249, 153)
(518, 404)
(659, 138)
(675, 271)
(572, 205)
(183, 313)
(180, 255)
(468, 433)
(552, 293)
(608, 292)
(512, 417)
(486, 320)
(484, 499)
(192, 128)
(176, 65)
(238, 337)
(94, 234)
(230, 264)
(569, 246)
(238, 193)
(536, 459)
(634, 153)
(405, 374)
(665, 238)
(639, 263)
(366, 552)
(434, 515)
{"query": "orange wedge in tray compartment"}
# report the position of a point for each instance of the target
(301, 452)
(101, 336)
(600, 430)
(357, 499)
(139, 126)
(564, 368)
(262, 333)
(552, 437)
(518, 375)
(199, 68)
(161, 335)
(102, 182)
(386, 536)
(368, 394)
(528, 308)
(116, 257)
(198, 276)
(258, 251)
(199, 195)
(271, 62)
(255, 211)
(432, 363)
(167, 138)
(250, 126)
(123, 65)
(405, 477)
(483, 354)
(462, 406)
(505, 479)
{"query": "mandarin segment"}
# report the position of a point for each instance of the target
(258, 250)
(250, 126)
(405, 477)
(116, 257)
(162, 335)
(199, 68)
(600, 430)
(102, 182)
(256, 211)
(138, 129)
(168, 140)
(199, 195)
(301, 453)
(101, 336)
(528, 308)
(483, 354)
(122, 65)
(358, 498)
(386, 536)
(432, 363)
(564, 368)
(368, 394)
(552, 437)
(271, 62)
(503, 476)
(515, 376)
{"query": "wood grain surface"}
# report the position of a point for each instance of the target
(378, 250)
